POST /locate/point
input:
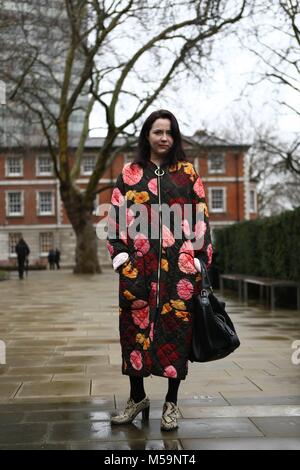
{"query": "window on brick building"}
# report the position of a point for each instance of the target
(88, 164)
(14, 203)
(44, 166)
(46, 242)
(217, 201)
(14, 166)
(216, 163)
(13, 239)
(45, 203)
(253, 207)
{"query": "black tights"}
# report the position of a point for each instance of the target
(137, 391)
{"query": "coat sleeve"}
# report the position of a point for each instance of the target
(203, 245)
(116, 240)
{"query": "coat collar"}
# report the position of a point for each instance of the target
(153, 165)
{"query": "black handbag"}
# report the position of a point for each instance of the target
(214, 335)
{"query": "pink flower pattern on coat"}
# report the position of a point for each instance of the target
(198, 187)
(132, 174)
(139, 303)
(136, 360)
(209, 253)
(186, 258)
(171, 372)
(141, 244)
(186, 228)
(186, 264)
(152, 185)
(185, 289)
(141, 317)
(123, 237)
(117, 199)
(129, 217)
(200, 229)
(167, 237)
(187, 247)
(151, 331)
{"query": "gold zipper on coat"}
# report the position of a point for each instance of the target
(159, 172)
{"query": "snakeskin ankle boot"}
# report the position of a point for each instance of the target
(132, 409)
(169, 417)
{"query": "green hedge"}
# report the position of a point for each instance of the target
(267, 247)
(4, 276)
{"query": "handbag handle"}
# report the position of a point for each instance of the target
(206, 284)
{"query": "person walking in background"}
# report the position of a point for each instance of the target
(51, 259)
(158, 275)
(57, 258)
(22, 251)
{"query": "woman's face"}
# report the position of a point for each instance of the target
(160, 138)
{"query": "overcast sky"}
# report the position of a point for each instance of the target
(223, 92)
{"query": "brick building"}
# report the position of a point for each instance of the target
(30, 202)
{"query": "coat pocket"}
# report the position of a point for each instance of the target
(132, 284)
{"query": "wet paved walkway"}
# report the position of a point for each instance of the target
(62, 377)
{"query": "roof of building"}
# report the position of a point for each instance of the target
(201, 138)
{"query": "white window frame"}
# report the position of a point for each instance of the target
(209, 163)
(217, 210)
(45, 253)
(87, 172)
(13, 254)
(7, 171)
(45, 214)
(253, 210)
(38, 170)
(14, 214)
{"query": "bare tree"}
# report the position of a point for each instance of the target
(115, 53)
(276, 182)
(276, 35)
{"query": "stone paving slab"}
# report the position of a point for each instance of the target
(242, 444)
(23, 433)
(54, 389)
(240, 411)
(262, 399)
(279, 426)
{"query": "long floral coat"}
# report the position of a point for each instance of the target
(159, 279)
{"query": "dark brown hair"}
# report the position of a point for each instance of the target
(175, 154)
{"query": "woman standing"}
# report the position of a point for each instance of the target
(158, 264)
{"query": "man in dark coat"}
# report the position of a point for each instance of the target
(57, 258)
(22, 250)
(51, 259)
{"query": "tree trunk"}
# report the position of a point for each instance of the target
(86, 256)
(80, 215)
